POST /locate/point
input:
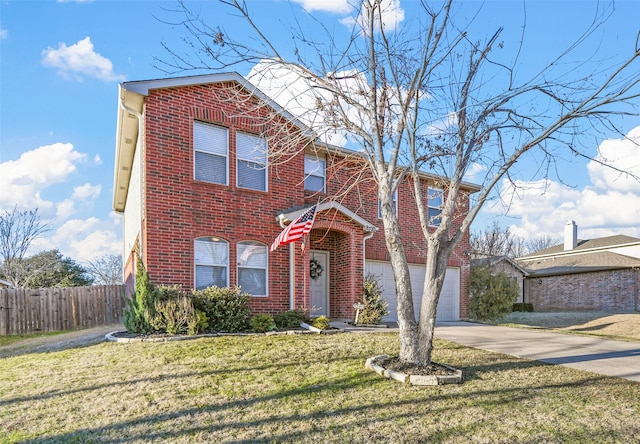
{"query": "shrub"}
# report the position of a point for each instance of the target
(321, 322)
(375, 306)
(227, 309)
(290, 318)
(492, 297)
(175, 313)
(140, 308)
(520, 306)
(263, 323)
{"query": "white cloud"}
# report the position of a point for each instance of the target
(23, 180)
(622, 154)
(392, 15)
(336, 6)
(87, 191)
(608, 206)
(81, 194)
(80, 60)
(4, 34)
(83, 239)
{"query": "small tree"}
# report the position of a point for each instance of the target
(106, 269)
(139, 313)
(18, 230)
(49, 269)
(492, 296)
(375, 305)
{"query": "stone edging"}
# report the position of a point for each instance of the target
(420, 380)
(168, 338)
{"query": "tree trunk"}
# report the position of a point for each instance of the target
(409, 341)
(435, 269)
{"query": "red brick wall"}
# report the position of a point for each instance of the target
(616, 290)
(179, 209)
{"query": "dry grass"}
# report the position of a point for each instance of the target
(306, 388)
(614, 325)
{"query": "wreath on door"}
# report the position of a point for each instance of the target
(315, 269)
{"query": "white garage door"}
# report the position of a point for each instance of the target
(448, 305)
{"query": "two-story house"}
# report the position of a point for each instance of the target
(203, 199)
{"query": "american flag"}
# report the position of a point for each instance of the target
(296, 229)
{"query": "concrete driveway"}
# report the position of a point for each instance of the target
(593, 354)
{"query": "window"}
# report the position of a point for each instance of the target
(211, 257)
(314, 175)
(395, 204)
(211, 146)
(252, 162)
(435, 206)
(252, 268)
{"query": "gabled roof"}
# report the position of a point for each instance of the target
(130, 108)
(588, 244)
(580, 263)
(494, 260)
(289, 215)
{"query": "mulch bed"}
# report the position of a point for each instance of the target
(394, 363)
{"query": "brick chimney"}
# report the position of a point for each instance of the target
(570, 235)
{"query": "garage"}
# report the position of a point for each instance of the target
(448, 305)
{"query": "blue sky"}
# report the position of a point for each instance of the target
(61, 62)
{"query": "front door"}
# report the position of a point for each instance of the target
(319, 283)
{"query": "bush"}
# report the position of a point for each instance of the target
(140, 308)
(263, 323)
(290, 318)
(375, 306)
(175, 313)
(321, 322)
(226, 309)
(520, 306)
(492, 297)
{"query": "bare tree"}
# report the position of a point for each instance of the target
(18, 230)
(106, 269)
(425, 98)
(541, 242)
(496, 240)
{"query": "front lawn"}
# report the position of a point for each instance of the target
(302, 388)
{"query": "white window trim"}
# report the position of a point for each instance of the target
(205, 124)
(323, 175)
(266, 162)
(266, 267)
(213, 239)
(439, 208)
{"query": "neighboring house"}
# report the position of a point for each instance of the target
(596, 274)
(202, 202)
(506, 265)
(5, 284)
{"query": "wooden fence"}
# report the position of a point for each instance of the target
(59, 309)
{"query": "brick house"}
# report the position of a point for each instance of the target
(595, 274)
(506, 265)
(202, 201)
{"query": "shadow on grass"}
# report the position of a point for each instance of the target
(159, 427)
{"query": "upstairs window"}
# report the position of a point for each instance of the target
(395, 204)
(314, 174)
(435, 201)
(211, 258)
(252, 267)
(211, 151)
(251, 152)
